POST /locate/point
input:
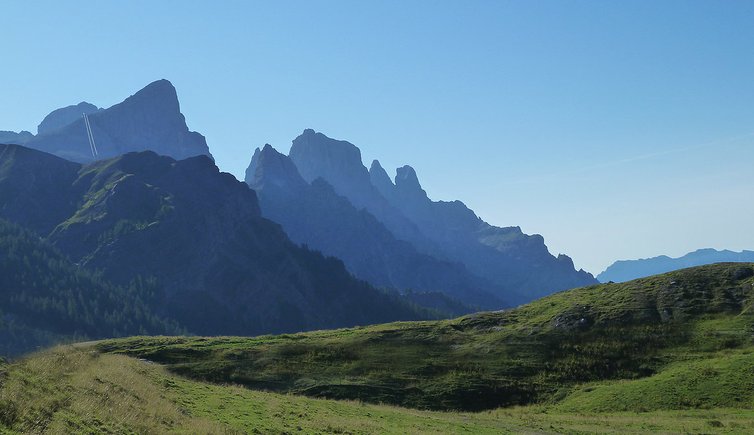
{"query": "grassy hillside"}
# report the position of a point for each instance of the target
(581, 349)
(78, 390)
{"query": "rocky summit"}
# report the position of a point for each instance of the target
(148, 120)
(314, 214)
(214, 264)
(513, 266)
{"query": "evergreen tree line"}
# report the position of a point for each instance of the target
(41, 291)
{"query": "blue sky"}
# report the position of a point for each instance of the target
(615, 129)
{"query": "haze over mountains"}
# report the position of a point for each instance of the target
(214, 264)
(315, 215)
(148, 120)
(153, 208)
(511, 265)
(626, 270)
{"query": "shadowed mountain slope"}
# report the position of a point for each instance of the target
(45, 298)
(148, 120)
(519, 265)
(220, 266)
(315, 215)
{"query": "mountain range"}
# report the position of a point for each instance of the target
(503, 263)
(626, 270)
(318, 241)
(145, 238)
(313, 214)
(217, 266)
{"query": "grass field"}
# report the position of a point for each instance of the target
(529, 355)
(78, 390)
(667, 354)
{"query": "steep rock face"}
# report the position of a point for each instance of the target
(339, 163)
(315, 215)
(381, 180)
(519, 264)
(269, 168)
(627, 270)
(316, 155)
(62, 117)
(148, 120)
(220, 267)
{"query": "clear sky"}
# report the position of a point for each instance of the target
(615, 129)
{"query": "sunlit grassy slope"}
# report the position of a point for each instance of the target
(78, 390)
(655, 330)
(672, 353)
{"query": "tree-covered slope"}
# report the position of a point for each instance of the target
(44, 298)
(634, 332)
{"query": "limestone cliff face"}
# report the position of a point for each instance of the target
(339, 163)
(314, 214)
(148, 120)
(519, 264)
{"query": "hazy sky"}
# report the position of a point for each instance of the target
(615, 129)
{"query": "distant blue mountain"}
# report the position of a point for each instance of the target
(313, 214)
(626, 270)
(151, 119)
(363, 216)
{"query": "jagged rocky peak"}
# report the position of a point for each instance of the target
(317, 155)
(62, 117)
(160, 95)
(405, 178)
(148, 120)
(566, 260)
(251, 170)
(268, 166)
(381, 180)
(407, 183)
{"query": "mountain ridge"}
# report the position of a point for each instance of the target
(518, 263)
(314, 214)
(197, 232)
(150, 119)
(625, 270)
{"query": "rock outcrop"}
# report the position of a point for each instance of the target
(148, 120)
(314, 214)
(518, 264)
